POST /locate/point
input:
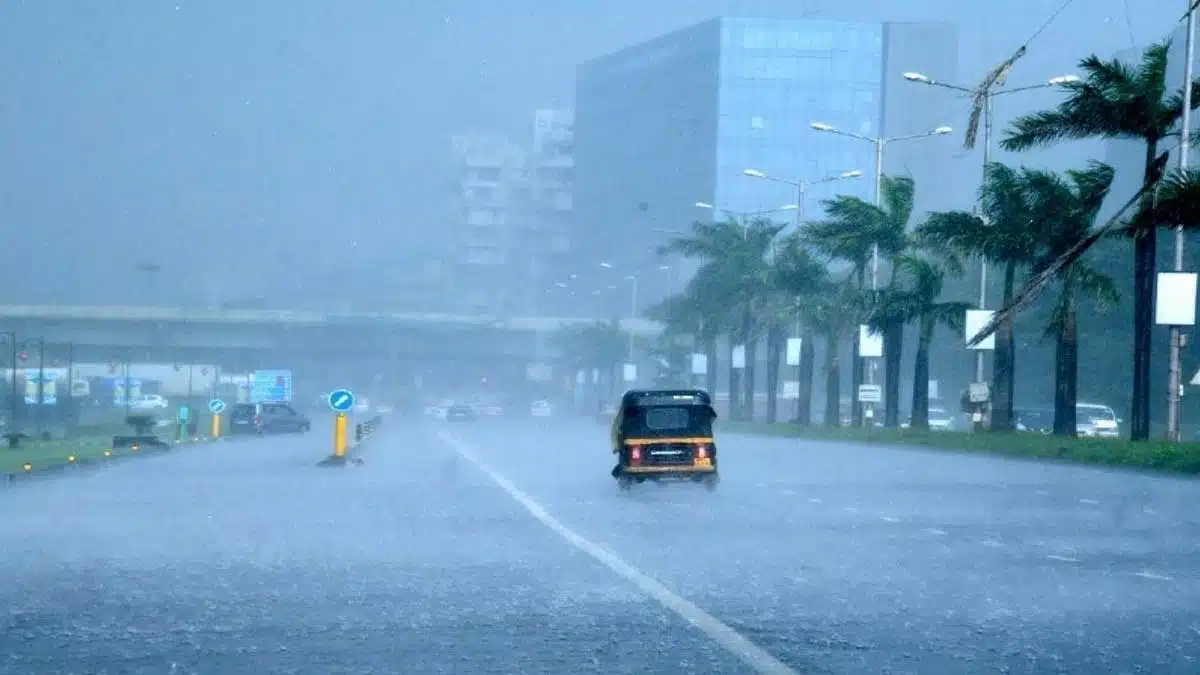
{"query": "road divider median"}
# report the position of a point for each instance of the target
(1180, 458)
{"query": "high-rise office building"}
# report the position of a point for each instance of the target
(676, 120)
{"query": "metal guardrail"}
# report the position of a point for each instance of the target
(364, 430)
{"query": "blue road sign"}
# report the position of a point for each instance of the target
(341, 400)
(273, 386)
(216, 406)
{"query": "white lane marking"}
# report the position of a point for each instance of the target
(754, 656)
(889, 519)
(1146, 574)
(814, 500)
(935, 531)
(1062, 558)
(1089, 501)
(850, 509)
(992, 543)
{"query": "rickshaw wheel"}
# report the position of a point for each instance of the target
(710, 483)
(625, 483)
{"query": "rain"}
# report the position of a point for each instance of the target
(724, 336)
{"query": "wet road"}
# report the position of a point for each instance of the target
(242, 557)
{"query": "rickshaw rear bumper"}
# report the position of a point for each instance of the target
(658, 473)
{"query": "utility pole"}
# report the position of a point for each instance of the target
(1175, 375)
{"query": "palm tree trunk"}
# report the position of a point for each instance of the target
(1066, 368)
(775, 345)
(710, 374)
(833, 382)
(920, 392)
(750, 345)
(1003, 361)
(1145, 250)
(735, 384)
(807, 356)
(893, 350)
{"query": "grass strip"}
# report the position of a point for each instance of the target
(1182, 458)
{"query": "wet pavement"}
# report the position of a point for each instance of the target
(841, 558)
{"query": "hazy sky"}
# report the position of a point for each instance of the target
(281, 147)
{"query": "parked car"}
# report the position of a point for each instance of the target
(266, 418)
(149, 402)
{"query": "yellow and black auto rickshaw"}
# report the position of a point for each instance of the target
(665, 435)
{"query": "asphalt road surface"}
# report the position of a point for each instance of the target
(503, 546)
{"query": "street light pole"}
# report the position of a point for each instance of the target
(988, 96)
(1175, 374)
(880, 144)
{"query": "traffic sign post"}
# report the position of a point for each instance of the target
(216, 406)
(341, 400)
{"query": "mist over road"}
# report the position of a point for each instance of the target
(242, 557)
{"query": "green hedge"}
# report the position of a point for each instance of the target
(1158, 455)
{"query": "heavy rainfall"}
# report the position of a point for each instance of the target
(673, 337)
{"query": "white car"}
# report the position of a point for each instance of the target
(149, 402)
(541, 409)
(1096, 421)
(939, 420)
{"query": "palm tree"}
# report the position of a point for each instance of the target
(834, 313)
(734, 275)
(686, 314)
(1068, 208)
(1114, 100)
(924, 282)
(593, 346)
(852, 229)
(797, 279)
(1007, 233)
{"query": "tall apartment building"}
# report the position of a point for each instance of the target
(514, 217)
(676, 120)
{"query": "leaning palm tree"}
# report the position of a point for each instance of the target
(1115, 100)
(925, 281)
(797, 278)
(690, 313)
(1006, 233)
(851, 230)
(1068, 207)
(734, 274)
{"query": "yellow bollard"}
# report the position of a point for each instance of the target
(216, 426)
(339, 436)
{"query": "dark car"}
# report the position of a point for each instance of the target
(460, 412)
(266, 418)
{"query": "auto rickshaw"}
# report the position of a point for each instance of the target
(665, 435)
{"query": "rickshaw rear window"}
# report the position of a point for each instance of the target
(666, 419)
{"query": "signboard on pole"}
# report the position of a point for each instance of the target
(699, 364)
(271, 386)
(793, 351)
(630, 372)
(739, 357)
(976, 320)
(870, 343)
(870, 393)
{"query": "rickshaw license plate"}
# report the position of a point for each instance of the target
(703, 461)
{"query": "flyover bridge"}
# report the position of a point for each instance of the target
(174, 332)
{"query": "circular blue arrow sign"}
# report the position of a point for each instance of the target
(341, 400)
(216, 406)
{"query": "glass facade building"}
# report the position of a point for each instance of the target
(676, 120)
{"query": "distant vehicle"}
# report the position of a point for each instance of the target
(149, 402)
(460, 412)
(1034, 420)
(492, 410)
(541, 409)
(266, 418)
(666, 434)
(940, 419)
(1096, 421)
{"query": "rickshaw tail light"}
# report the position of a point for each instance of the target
(701, 451)
(635, 454)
